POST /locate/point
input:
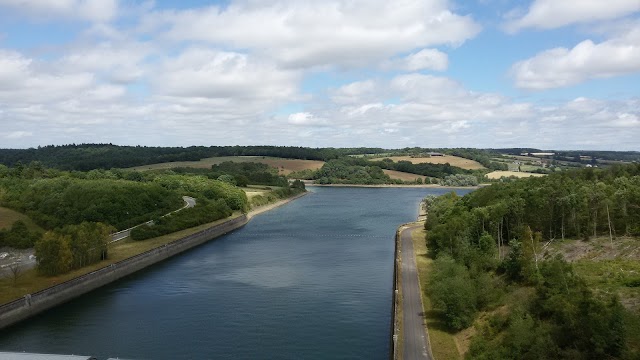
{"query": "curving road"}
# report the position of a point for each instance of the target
(415, 339)
(189, 203)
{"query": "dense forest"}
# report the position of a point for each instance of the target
(488, 247)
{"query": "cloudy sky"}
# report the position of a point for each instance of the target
(551, 74)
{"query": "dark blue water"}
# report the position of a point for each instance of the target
(310, 280)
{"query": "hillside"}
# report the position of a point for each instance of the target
(284, 166)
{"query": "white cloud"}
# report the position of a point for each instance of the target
(437, 111)
(211, 74)
(561, 67)
(317, 33)
(117, 62)
(92, 10)
(425, 59)
(23, 80)
(18, 134)
(550, 14)
(305, 119)
(357, 92)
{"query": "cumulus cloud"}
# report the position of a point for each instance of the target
(357, 92)
(561, 67)
(317, 33)
(425, 59)
(91, 10)
(305, 119)
(119, 62)
(23, 80)
(551, 14)
(18, 134)
(437, 111)
(224, 75)
(206, 73)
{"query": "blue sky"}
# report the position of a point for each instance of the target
(433, 73)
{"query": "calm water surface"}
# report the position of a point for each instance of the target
(310, 280)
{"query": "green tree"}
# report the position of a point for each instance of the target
(53, 254)
(453, 292)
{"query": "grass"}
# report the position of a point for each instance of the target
(30, 282)
(452, 160)
(8, 217)
(443, 342)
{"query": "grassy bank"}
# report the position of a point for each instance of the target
(443, 342)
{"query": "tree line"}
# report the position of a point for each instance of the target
(488, 250)
(84, 157)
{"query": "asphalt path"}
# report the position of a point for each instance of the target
(414, 337)
(188, 201)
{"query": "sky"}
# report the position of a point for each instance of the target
(549, 74)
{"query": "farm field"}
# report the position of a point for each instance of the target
(285, 166)
(499, 174)
(402, 175)
(452, 160)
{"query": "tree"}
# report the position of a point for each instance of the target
(53, 254)
(15, 268)
(453, 291)
(227, 179)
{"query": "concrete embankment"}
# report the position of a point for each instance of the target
(32, 304)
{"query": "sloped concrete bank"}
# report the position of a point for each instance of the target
(32, 304)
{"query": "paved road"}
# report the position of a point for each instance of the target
(189, 203)
(415, 340)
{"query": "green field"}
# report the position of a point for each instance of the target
(8, 217)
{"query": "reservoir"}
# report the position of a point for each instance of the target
(309, 280)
